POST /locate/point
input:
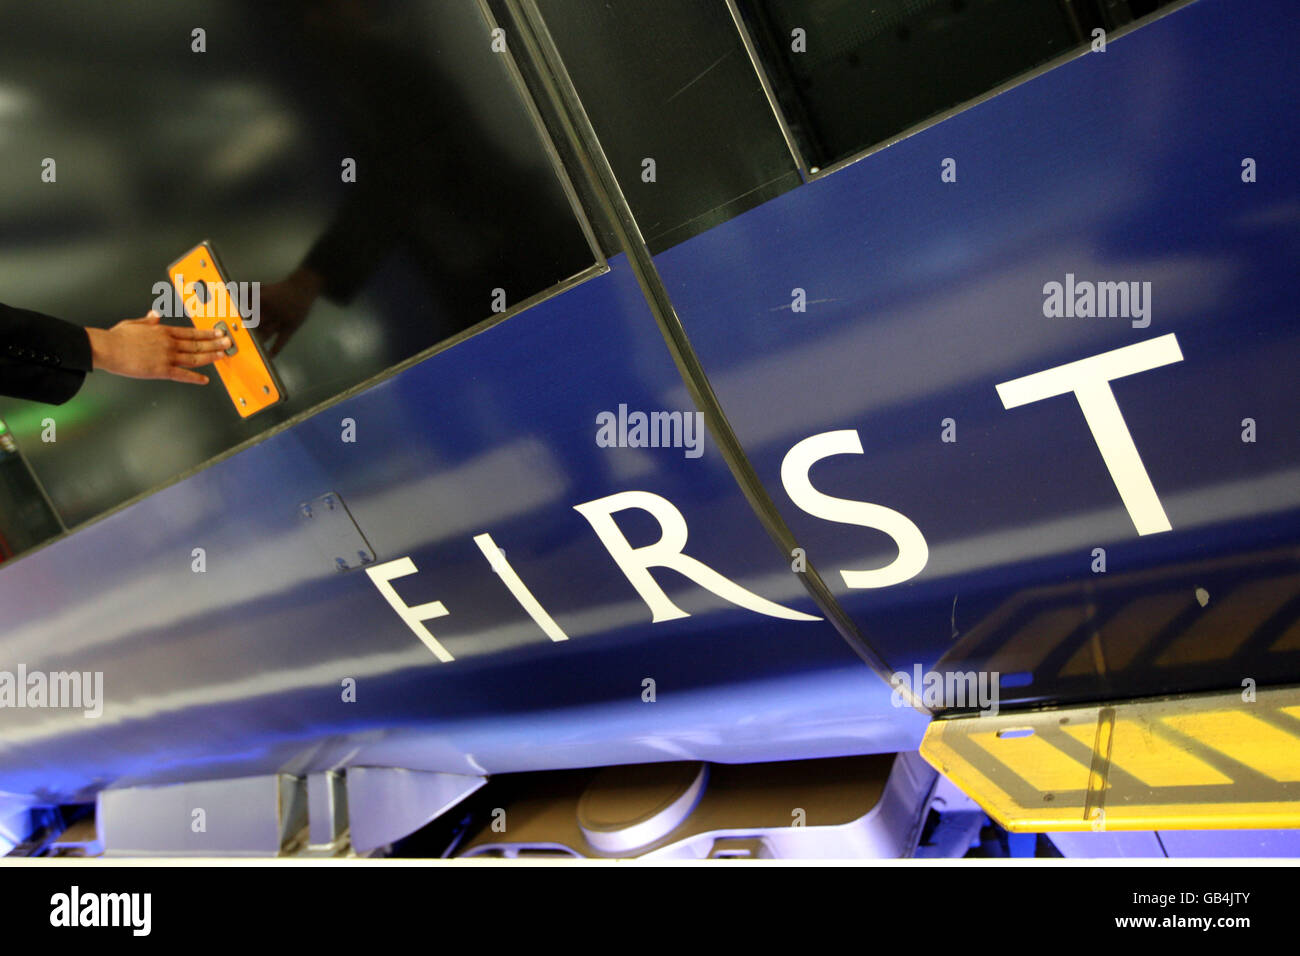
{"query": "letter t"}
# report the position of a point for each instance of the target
(1090, 380)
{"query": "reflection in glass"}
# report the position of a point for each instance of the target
(160, 145)
(851, 75)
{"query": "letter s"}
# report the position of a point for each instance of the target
(913, 552)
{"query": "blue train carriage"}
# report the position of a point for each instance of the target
(731, 429)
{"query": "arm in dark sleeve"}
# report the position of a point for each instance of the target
(42, 358)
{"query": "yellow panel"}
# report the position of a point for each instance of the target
(1148, 778)
(1035, 760)
(1246, 739)
(247, 377)
(1151, 759)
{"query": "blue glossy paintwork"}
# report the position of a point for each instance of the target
(1185, 844)
(924, 295)
(238, 670)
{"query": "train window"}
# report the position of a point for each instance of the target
(678, 110)
(26, 518)
(370, 171)
(849, 75)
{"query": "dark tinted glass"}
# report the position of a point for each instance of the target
(670, 82)
(159, 145)
(26, 518)
(850, 74)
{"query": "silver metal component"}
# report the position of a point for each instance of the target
(334, 532)
(847, 807)
(741, 848)
(787, 133)
(327, 809)
(889, 829)
(15, 821)
(386, 804)
(234, 349)
(80, 839)
(248, 816)
(544, 135)
(628, 807)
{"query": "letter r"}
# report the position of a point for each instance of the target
(667, 552)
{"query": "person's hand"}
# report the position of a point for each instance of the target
(284, 306)
(142, 348)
